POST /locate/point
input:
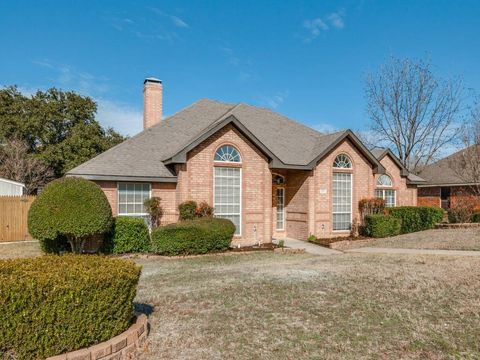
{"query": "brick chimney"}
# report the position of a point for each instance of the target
(152, 102)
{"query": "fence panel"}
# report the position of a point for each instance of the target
(13, 217)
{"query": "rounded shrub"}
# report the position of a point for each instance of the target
(55, 304)
(70, 207)
(129, 235)
(198, 236)
(379, 226)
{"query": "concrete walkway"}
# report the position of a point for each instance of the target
(372, 250)
(309, 248)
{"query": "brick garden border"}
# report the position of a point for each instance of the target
(120, 347)
(457, 225)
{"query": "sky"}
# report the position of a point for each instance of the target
(305, 59)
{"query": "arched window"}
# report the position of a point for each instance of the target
(389, 195)
(227, 153)
(384, 180)
(342, 161)
(278, 179)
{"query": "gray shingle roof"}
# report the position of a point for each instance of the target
(443, 173)
(379, 153)
(142, 155)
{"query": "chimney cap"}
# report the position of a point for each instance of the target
(152, 80)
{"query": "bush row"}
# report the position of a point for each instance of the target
(84, 300)
(193, 237)
(417, 218)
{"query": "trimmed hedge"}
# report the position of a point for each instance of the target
(379, 226)
(130, 235)
(417, 218)
(71, 208)
(193, 237)
(55, 304)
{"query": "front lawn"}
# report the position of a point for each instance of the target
(443, 239)
(274, 306)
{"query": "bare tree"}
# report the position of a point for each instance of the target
(413, 111)
(467, 164)
(16, 164)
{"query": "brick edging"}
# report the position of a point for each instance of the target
(457, 226)
(120, 347)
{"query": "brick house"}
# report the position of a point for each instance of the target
(444, 186)
(273, 177)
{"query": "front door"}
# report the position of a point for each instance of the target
(445, 197)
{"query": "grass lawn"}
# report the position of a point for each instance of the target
(277, 306)
(444, 239)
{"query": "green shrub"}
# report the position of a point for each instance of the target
(188, 210)
(193, 237)
(417, 218)
(71, 208)
(312, 238)
(380, 226)
(129, 235)
(204, 210)
(54, 304)
(154, 210)
(476, 217)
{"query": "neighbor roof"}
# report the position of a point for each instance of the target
(443, 173)
(146, 156)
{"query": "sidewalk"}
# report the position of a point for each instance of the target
(372, 250)
(309, 248)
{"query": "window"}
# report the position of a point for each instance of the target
(278, 179)
(384, 180)
(342, 161)
(131, 197)
(281, 208)
(386, 194)
(227, 195)
(342, 201)
(227, 153)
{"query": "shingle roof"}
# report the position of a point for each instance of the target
(142, 155)
(443, 173)
(380, 153)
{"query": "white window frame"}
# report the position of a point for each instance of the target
(118, 198)
(384, 196)
(351, 201)
(283, 209)
(227, 161)
(241, 193)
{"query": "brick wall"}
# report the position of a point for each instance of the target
(297, 197)
(362, 186)
(195, 182)
(429, 196)
(405, 195)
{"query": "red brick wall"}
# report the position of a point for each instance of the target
(297, 197)
(362, 186)
(195, 182)
(405, 195)
(429, 196)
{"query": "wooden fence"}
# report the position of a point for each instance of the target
(13, 217)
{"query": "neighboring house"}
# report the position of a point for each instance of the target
(271, 176)
(11, 188)
(444, 185)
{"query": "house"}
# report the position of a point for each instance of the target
(272, 176)
(11, 188)
(446, 183)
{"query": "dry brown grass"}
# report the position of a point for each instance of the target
(274, 306)
(444, 239)
(19, 249)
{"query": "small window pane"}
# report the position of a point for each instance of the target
(342, 161)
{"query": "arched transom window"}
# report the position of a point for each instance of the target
(227, 153)
(384, 180)
(342, 161)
